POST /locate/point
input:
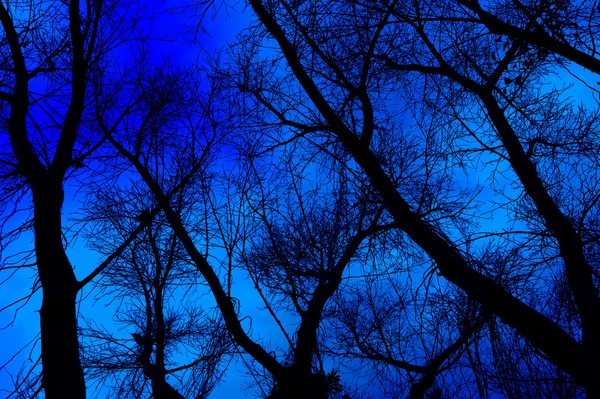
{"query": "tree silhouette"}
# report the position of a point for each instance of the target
(173, 337)
(50, 54)
(474, 81)
(407, 188)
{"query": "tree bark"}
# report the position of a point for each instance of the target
(62, 375)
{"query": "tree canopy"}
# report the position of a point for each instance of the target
(351, 199)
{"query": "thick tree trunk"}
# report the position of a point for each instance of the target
(298, 384)
(62, 375)
(419, 388)
(161, 388)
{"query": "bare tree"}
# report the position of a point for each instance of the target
(50, 51)
(314, 228)
(474, 79)
(57, 70)
(155, 286)
(412, 343)
(304, 246)
(377, 117)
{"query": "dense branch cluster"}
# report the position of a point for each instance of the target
(353, 199)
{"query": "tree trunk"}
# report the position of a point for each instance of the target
(161, 388)
(298, 384)
(62, 375)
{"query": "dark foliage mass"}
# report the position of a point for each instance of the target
(353, 199)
